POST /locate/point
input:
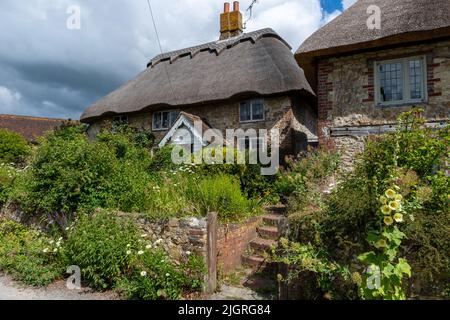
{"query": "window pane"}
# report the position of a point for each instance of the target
(165, 119)
(157, 120)
(416, 79)
(173, 117)
(391, 81)
(245, 111)
(257, 110)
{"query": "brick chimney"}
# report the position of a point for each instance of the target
(231, 24)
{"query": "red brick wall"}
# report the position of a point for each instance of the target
(233, 241)
(325, 106)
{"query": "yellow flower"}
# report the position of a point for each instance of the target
(388, 220)
(381, 244)
(398, 217)
(391, 194)
(398, 197)
(394, 205)
(383, 200)
(386, 209)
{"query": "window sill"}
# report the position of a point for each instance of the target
(252, 121)
(401, 104)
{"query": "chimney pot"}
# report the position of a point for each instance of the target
(236, 6)
(226, 7)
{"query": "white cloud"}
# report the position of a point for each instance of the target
(46, 62)
(348, 3)
(9, 100)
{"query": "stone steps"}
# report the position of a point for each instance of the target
(271, 233)
(268, 235)
(262, 246)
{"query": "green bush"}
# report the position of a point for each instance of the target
(413, 159)
(13, 147)
(220, 194)
(153, 276)
(253, 184)
(29, 256)
(8, 176)
(70, 173)
(98, 245)
(312, 168)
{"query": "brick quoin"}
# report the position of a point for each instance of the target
(324, 88)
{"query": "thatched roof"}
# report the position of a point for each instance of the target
(30, 128)
(402, 21)
(259, 62)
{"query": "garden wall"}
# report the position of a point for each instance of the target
(182, 236)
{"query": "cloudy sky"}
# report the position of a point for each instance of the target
(50, 70)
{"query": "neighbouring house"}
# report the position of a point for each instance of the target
(365, 78)
(30, 128)
(241, 81)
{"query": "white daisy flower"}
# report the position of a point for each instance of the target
(140, 252)
(143, 273)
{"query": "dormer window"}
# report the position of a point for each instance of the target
(252, 110)
(401, 81)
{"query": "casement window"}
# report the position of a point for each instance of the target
(252, 110)
(401, 81)
(164, 120)
(120, 120)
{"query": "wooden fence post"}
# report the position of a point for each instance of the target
(211, 252)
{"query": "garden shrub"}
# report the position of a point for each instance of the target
(312, 274)
(350, 212)
(8, 176)
(253, 184)
(70, 173)
(154, 277)
(220, 194)
(98, 245)
(29, 256)
(300, 176)
(13, 147)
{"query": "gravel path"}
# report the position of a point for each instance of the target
(12, 290)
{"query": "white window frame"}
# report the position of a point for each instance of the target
(406, 82)
(251, 111)
(161, 115)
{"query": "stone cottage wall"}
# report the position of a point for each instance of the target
(346, 94)
(293, 118)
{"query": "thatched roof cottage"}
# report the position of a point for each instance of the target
(242, 80)
(366, 71)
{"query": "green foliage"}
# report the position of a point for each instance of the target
(13, 147)
(220, 194)
(385, 268)
(305, 262)
(153, 276)
(312, 168)
(352, 210)
(69, 173)
(253, 184)
(8, 175)
(27, 255)
(98, 245)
